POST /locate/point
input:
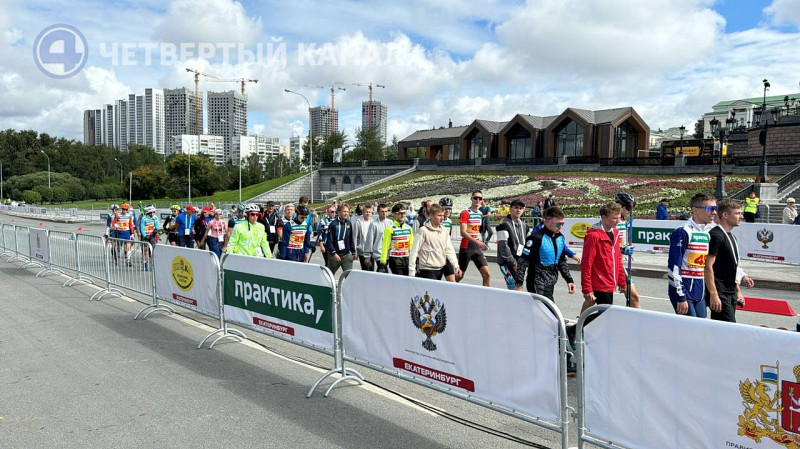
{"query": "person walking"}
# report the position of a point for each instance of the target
(199, 228)
(449, 268)
(511, 244)
(432, 247)
(536, 213)
(216, 230)
(288, 218)
(601, 262)
(549, 202)
(661, 209)
(322, 232)
(545, 256)
(397, 242)
(340, 245)
(374, 239)
(236, 219)
(361, 226)
(170, 227)
(296, 238)
(789, 212)
(688, 250)
(185, 223)
(271, 222)
(125, 230)
(249, 237)
(148, 229)
(471, 249)
(751, 207)
(486, 215)
(722, 273)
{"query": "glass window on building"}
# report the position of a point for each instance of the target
(332, 185)
(519, 143)
(477, 146)
(569, 139)
(358, 182)
(454, 151)
(347, 185)
(625, 140)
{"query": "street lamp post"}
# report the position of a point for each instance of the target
(723, 134)
(222, 120)
(120, 170)
(48, 167)
(682, 130)
(310, 141)
(1, 182)
(762, 136)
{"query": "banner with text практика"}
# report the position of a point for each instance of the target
(292, 299)
(495, 344)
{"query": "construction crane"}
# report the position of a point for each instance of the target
(369, 105)
(214, 79)
(333, 102)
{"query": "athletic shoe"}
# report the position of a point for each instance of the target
(145, 266)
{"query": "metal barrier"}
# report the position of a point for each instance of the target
(10, 237)
(477, 391)
(23, 247)
(4, 248)
(89, 260)
(128, 267)
(63, 251)
(583, 432)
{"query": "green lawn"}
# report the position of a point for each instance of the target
(225, 196)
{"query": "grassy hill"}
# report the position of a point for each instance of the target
(579, 194)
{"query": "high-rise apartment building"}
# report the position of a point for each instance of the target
(265, 147)
(379, 113)
(137, 120)
(227, 117)
(154, 132)
(320, 121)
(91, 127)
(296, 144)
(179, 112)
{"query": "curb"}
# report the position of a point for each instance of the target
(662, 274)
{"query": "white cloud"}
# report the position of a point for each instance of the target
(784, 12)
(212, 21)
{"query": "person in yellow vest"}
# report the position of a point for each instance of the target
(751, 207)
(249, 236)
(397, 241)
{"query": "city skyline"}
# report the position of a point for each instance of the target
(439, 61)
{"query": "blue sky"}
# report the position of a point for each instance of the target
(440, 59)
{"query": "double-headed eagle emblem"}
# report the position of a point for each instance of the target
(765, 236)
(422, 315)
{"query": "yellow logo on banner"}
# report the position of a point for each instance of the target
(773, 416)
(182, 273)
(579, 229)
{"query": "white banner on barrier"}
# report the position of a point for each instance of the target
(187, 277)
(39, 245)
(662, 381)
(289, 298)
(757, 241)
(498, 345)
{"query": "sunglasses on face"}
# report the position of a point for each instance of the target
(708, 209)
(558, 224)
(477, 198)
(254, 214)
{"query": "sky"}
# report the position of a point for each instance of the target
(440, 60)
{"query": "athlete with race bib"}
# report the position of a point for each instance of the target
(123, 225)
(471, 248)
(397, 241)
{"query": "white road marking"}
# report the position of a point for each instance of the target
(654, 297)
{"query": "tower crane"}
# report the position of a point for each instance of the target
(369, 105)
(333, 102)
(214, 79)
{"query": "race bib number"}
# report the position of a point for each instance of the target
(296, 239)
(474, 230)
(149, 228)
(697, 251)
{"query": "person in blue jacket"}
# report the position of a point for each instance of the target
(296, 241)
(688, 249)
(185, 222)
(661, 210)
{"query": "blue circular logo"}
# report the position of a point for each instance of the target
(60, 51)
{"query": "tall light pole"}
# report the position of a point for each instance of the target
(723, 134)
(48, 167)
(1, 182)
(189, 154)
(310, 140)
(682, 130)
(762, 136)
(120, 170)
(222, 120)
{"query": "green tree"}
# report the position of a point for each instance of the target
(148, 183)
(60, 195)
(323, 150)
(46, 193)
(31, 197)
(368, 146)
(698, 129)
(252, 170)
(205, 179)
(392, 151)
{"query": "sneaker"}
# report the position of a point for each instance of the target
(145, 266)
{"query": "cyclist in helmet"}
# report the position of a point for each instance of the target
(249, 236)
(148, 229)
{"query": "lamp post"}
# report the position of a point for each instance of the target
(48, 167)
(120, 170)
(762, 136)
(189, 154)
(723, 134)
(682, 129)
(1, 182)
(222, 120)
(310, 141)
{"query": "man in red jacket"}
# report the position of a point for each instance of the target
(601, 264)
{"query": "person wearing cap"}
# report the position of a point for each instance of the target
(661, 210)
(789, 212)
(171, 227)
(123, 224)
(216, 230)
(510, 243)
(185, 223)
(271, 222)
(322, 232)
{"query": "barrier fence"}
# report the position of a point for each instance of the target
(645, 379)
(655, 380)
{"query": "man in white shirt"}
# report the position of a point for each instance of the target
(374, 238)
